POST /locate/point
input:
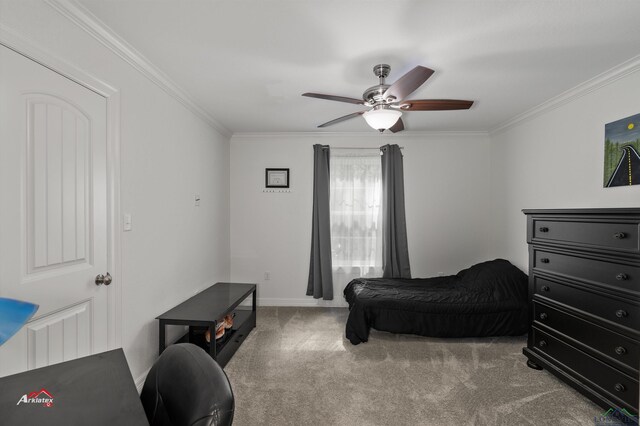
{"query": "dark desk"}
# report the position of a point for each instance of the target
(94, 390)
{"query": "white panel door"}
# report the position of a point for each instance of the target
(53, 213)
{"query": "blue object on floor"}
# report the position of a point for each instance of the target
(13, 315)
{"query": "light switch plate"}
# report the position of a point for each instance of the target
(197, 200)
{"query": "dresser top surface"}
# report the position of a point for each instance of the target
(594, 211)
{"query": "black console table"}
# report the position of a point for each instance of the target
(202, 312)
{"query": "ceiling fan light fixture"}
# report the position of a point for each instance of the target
(388, 102)
(382, 118)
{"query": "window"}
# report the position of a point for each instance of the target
(356, 215)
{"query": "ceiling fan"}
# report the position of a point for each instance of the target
(387, 102)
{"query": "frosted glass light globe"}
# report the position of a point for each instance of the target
(383, 118)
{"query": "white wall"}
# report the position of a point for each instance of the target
(167, 155)
(555, 160)
(464, 192)
(446, 190)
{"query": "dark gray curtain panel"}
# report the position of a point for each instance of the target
(395, 248)
(320, 274)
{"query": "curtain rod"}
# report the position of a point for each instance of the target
(358, 147)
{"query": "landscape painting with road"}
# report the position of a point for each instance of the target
(622, 152)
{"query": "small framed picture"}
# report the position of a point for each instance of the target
(277, 178)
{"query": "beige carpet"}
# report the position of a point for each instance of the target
(296, 368)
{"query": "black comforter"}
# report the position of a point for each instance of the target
(488, 299)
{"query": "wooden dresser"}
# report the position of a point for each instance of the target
(584, 292)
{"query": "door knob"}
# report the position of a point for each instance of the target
(103, 279)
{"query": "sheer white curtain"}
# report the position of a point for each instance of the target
(356, 215)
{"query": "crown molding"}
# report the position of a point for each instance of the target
(84, 19)
(371, 134)
(622, 70)
(30, 49)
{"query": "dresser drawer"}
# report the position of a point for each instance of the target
(614, 345)
(618, 275)
(615, 383)
(625, 313)
(603, 235)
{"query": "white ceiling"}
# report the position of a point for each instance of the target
(246, 62)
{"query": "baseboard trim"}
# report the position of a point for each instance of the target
(267, 301)
(309, 302)
(140, 380)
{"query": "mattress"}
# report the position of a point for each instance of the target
(487, 299)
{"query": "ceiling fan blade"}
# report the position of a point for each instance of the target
(343, 118)
(398, 127)
(334, 98)
(434, 105)
(408, 83)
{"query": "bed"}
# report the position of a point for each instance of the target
(487, 299)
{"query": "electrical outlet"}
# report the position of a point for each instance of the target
(267, 276)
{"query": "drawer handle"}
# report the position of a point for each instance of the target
(544, 229)
(621, 313)
(543, 343)
(544, 260)
(621, 350)
(546, 288)
(622, 277)
(543, 316)
(620, 387)
(619, 235)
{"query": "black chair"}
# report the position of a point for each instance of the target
(186, 387)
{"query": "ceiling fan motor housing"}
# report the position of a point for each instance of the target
(382, 70)
(373, 95)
